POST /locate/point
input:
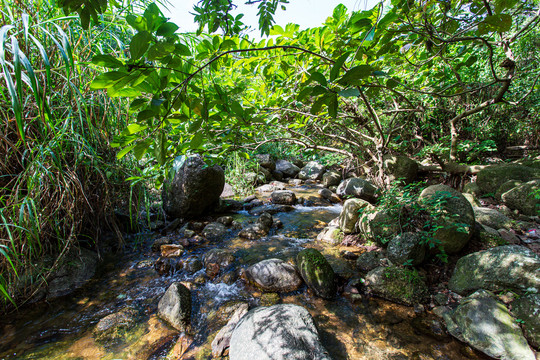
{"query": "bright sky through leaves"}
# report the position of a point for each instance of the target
(306, 13)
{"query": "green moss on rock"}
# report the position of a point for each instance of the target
(317, 273)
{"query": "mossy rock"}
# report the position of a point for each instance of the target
(527, 308)
(113, 328)
(522, 198)
(317, 273)
(400, 167)
(380, 226)
(492, 177)
(398, 284)
(350, 213)
(454, 216)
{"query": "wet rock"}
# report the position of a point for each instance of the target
(266, 161)
(259, 229)
(492, 218)
(407, 248)
(271, 209)
(312, 171)
(283, 197)
(77, 267)
(501, 268)
(278, 175)
(220, 257)
(401, 285)
(457, 223)
(171, 250)
(331, 235)
(214, 230)
(358, 188)
(350, 213)
(166, 266)
(317, 273)
(430, 326)
(295, 182)
(279, 332)
(287, 169)
(370, 260)
(113, 328)
(486, 324)
(195, 226)
(527, 309)
(274, 275)
(194, 190)
(222, 340)
(520, 198)
(228, 205)
(329, 195)
(156, 246)
(491, 178)
(400, 167)
(192, 264)
(225, 220)
(175, 306)
(379, 226)
(331, 178)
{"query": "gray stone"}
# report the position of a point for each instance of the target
(312, 171)
(521, 198)
(317, 273)
(225, 220)
(330, 234)
(492, 218)
(472, 200)
(331, 178)
(228, 191)
(222, 340)
(492, 177)
(527, 309)
(370, 260)
(400, 167)
(221, 257)
(329, 195)
(509, 185)
(455, 216)
(274, 275)
(350, 213)
(380, 226)
(194, 190)
(407, 248)
(214, 230)
(510, 267)
(283, 197)
(486, 324)
(113, 328)
(266, 161)
(286, 168)
(472, 188)
(358, 188)
(401, 285)
(175, 306)
(279, 332)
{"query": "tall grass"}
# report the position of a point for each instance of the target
(59, 180)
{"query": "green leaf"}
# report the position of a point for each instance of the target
(124, 151)
(356, 73)
(318, 90)
(316, 107)
(160, 148)
(303, 93)
(499, 23)
(350, 92)
(139, 44)
(136, 104)
(334, 72)
(333, 105)
(196, 140)
(133, 129)
(167, 29)
(182, 50)
(137, 22)
(501, 5)
(140, 149)
(145, 114)
(195, 126)
(318, 77)
(107, 79)
(107, 61)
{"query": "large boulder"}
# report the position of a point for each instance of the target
(287, 169)
(194, 190)
(487, 325)
(331, 235)
(223, 339)
(370, 260)
(274, 275)
(523, 199)
(380, 226)
(331, 178)
(492, 177)
(407, 248)
(398, 284)
(283, 197)
(400, 167)
(492, 218)
(350, 213)
(510, 267)
(175, 306)
(317, 273)
(452, 214)
(214, 230)
(312, 171)
(358, 188)
(527, 308)
(278, 332)
(266, 161)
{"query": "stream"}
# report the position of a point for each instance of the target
(360, 328)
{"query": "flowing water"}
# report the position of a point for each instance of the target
(360, 328)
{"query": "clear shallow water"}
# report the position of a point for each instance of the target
(365, 329)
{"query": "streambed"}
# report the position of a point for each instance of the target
(350, 328)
